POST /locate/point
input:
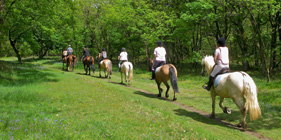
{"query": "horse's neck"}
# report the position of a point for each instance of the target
(210, 68)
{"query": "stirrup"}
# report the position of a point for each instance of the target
(206, 87)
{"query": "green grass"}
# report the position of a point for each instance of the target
(40, 101)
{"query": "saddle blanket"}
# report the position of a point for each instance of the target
(101, 62)
(157, 69)
(218, 78)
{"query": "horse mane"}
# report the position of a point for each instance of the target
(208, 61)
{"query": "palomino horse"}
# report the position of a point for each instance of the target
(89, 62)
(71, 62)
(237, 86)
(106, 65)
(127, 69)
(165, 73)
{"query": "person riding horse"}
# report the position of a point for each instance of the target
(221, 58)
(86, 53)
(123, 57)
(160, 60)
(104, 55)
(69, 50)
(64, 53)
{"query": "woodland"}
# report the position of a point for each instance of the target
(188, 28)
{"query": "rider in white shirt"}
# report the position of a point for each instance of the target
(160, 58)
(123, 57)
(221, 59)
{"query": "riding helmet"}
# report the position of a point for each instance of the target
(123, 49)
(159, 43)
(103, 49)
(221, 41)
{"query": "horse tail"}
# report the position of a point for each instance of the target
(174, 79)
(130, 71)
(91, 62)
(110, 68)
(74, 60)
(250, 94)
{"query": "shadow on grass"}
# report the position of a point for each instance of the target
(14, 74)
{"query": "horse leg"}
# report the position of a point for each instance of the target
(121, 78)
(100, 71)
(213, 106)
(89, 70)
(243, 110)
(225, 109)
(167, 91)
(159, 89)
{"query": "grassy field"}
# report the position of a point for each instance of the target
(41, 101)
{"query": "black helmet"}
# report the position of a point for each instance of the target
(159, 43)
(221, 41)
(123, 49)
(85, 46)
(103, 49)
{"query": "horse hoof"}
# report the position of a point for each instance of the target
(228, 111)
(174, 99)
(159, 95)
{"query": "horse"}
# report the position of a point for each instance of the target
(165, 73)
(127, 69)
(89, 62)
(149, 63)
(106, 65)
(64, 60)
(237, 86)
(71, 59)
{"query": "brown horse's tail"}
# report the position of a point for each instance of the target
(174, 79)
(92, 65)
(74, 60)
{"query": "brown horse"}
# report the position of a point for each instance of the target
(64, 60)
(71, 62)
(106, 65)
(165, 73)
(149, 63)
(89, 62)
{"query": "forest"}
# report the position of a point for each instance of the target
(188, 28)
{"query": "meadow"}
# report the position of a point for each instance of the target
(39, 100)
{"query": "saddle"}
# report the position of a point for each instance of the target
(157, 69)
(220, 75)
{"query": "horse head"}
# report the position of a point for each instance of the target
(207, 64)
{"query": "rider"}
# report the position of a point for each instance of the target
(103, 55)
(64, 53)
(69, 50)
(159, 54)
(221, 59)
(123, 57)
(86, 53)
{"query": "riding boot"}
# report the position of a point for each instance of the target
(153, 75)
(210, 83)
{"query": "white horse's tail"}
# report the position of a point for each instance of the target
(130, 71)
(250, 94)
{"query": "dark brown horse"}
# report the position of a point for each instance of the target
(71, 62)
(64, 60)
(165, 73)
(106, 65)
(89, 62)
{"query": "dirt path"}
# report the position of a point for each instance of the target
(189, 108)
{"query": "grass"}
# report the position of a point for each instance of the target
(40, 101)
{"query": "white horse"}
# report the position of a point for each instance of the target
(237, 86)
(127, 69)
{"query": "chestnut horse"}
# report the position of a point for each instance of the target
(165, 73)
(237, 86)
(127, 69)
(71, 62)
(64, 60)
(89, 62)
(106, 65)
